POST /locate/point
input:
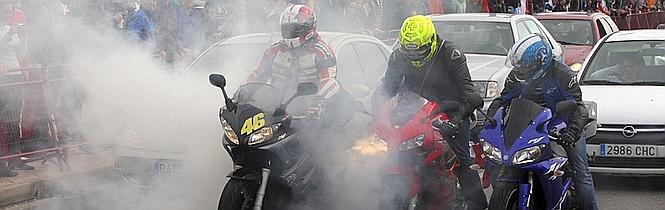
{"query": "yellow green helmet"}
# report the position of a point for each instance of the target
(417, 39)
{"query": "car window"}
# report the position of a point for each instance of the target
(374, 62)
(570, 32)
(601, 28)
(522, 30)
(226, 58)
(477, 37)
(348, 67)
(627, 62)
(533, 27)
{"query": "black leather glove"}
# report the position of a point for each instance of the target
(449, 128)
(569, 136)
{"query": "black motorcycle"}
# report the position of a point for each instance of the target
(271, 165)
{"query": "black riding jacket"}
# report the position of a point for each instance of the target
(444, 78)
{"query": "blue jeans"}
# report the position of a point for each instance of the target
(469, 181)
(585, 191)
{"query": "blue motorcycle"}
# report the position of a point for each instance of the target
(529, 169)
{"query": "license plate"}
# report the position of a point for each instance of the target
(163, 167)
(628, 150)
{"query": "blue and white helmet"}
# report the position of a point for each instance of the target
(530, 57)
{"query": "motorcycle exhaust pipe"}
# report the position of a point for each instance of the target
(265, 173)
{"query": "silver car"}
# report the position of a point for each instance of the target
(625, 75)
(486, 40)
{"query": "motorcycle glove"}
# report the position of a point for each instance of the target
(448, 128)
(569, 136)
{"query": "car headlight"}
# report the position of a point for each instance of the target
(262, 135)
(528, 155)
(576, 66)
(229, 133)
(413, 143)
(370, 145)
(491, 151)
(486, 89)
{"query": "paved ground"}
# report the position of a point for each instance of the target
(111, 193)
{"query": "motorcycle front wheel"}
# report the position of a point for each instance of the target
(238, 195)
(505, 196)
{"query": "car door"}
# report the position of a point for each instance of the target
(360, 65)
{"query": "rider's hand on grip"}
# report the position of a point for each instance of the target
(568, 137)
(447, 128)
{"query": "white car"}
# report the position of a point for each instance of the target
(625, 75)
(361, 62)
(486, 40)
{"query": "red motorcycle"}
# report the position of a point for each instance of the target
(419, 164)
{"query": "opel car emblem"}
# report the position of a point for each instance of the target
(629, 131)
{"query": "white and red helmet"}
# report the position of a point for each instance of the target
(298, 25)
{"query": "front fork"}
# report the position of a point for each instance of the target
(526, 192)
(258, 203)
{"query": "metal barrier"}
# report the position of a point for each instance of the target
(644, 20)
(34, 102)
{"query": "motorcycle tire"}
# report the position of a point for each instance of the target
(238, 195)
(506, 197)
(393, 195)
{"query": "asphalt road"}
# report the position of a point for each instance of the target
(614, 193)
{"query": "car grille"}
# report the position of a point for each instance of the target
(645, 134)
(624, 162)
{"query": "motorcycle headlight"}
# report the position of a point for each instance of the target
(413, 143)
(370, 145)
(487, 89)
(528, 155)
(262, 135)
(576, 66)
(491, 151)
(229, 133)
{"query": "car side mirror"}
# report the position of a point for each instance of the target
(565, 107)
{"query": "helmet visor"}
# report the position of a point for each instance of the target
(415, 53)
(290, 31)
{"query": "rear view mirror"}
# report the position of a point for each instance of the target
(217, 80)
(306, 88)
(565, 107)
(476, 101)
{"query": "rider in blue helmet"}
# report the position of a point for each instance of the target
(538, 77)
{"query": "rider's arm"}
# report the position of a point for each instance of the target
(263, 71)
(460, 72)
(511, 90)
(389, 83)
(577, 119)
(326, 65)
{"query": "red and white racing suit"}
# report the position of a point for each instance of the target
(286, 67)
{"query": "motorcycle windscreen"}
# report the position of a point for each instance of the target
(404, 106)
(520, 114)
(259, 95)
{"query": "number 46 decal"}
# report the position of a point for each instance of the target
(252, 124)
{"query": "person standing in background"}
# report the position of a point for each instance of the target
(140, 25)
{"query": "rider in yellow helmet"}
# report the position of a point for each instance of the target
(437, 70)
